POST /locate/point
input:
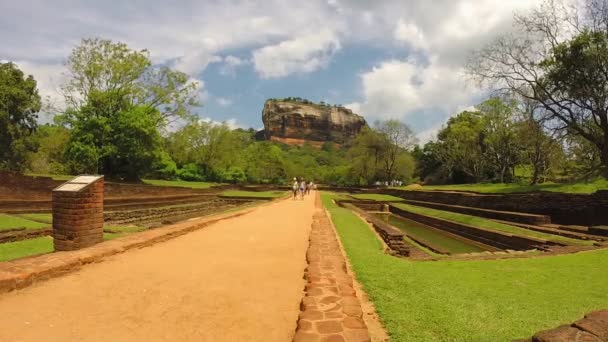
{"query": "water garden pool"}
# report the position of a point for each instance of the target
(442, 241)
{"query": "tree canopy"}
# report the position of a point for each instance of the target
(19, 107)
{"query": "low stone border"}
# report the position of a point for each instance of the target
(592, 328)
(501, 240)
(24, 234)
(330, 309)
(20, 273)
(392, 236)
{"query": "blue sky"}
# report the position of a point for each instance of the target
(384, 59)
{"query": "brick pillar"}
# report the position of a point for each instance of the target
(78, 213)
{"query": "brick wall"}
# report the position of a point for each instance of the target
(581, 209)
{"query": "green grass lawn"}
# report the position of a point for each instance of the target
(254, 194)
(9, 221)
(497, 300)
(44, 218)
(339, 195)
(55, 177)
(577, 188)
(20, 249)
(489, 224)
(180, 183)
(377, 197)
(119, 231)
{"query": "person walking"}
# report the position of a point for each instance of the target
(302, 188)
(309, 187)
(295, 187)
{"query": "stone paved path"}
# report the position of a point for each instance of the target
(331, 312)
(236, 280)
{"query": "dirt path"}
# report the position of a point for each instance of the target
(236, 280)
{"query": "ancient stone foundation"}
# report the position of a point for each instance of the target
(78, 213)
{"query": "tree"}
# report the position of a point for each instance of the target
(501, 150)
(50, 141)
(398, 138)
(265, 163)
(538, 148)
(19, 105)
(117, 103)
(461, 146)
(558, 58)
(428, 164)
(213, 148)
(98, 65)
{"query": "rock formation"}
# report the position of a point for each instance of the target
(297, 122)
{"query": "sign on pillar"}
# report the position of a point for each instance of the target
(78, 213)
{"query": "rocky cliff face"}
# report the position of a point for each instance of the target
(294, 123)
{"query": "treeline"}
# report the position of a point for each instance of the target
(117, 122)
(501, 142)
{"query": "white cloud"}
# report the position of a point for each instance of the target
(396, 89)
(195, 63)
(306, 53)
(49, 79)
(223, 102)
(411, 34)
(231, 63)
(284, 38)
(232, 123)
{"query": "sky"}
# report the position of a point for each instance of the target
(384, 59)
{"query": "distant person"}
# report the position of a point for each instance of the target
(302, 188)
(309, 187)
(295, 187)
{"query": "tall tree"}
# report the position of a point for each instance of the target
(461, 146)
(558, 58)
(500, 137)
(398, 139)
(117, 103)
(19, 105)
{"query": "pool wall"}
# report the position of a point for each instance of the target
(489, 237)
(392, 236)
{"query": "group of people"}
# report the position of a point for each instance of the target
(391, 183)
(301, 188)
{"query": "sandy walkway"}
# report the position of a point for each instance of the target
(236, 280)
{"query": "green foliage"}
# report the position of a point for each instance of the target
(488, 300)
(489, 145)
(265, 163)
(190, 172)
(49, 158)
(117, 104)
(180, 183)
(19, 105)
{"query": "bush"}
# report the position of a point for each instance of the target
(190, 172)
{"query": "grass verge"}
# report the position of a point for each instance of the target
(44, 218)
(180, 183)
(494, 300)
(253, 194)
(377, 197)
(20, 249)
(489, 224)
(9, 222)
(575, 188)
